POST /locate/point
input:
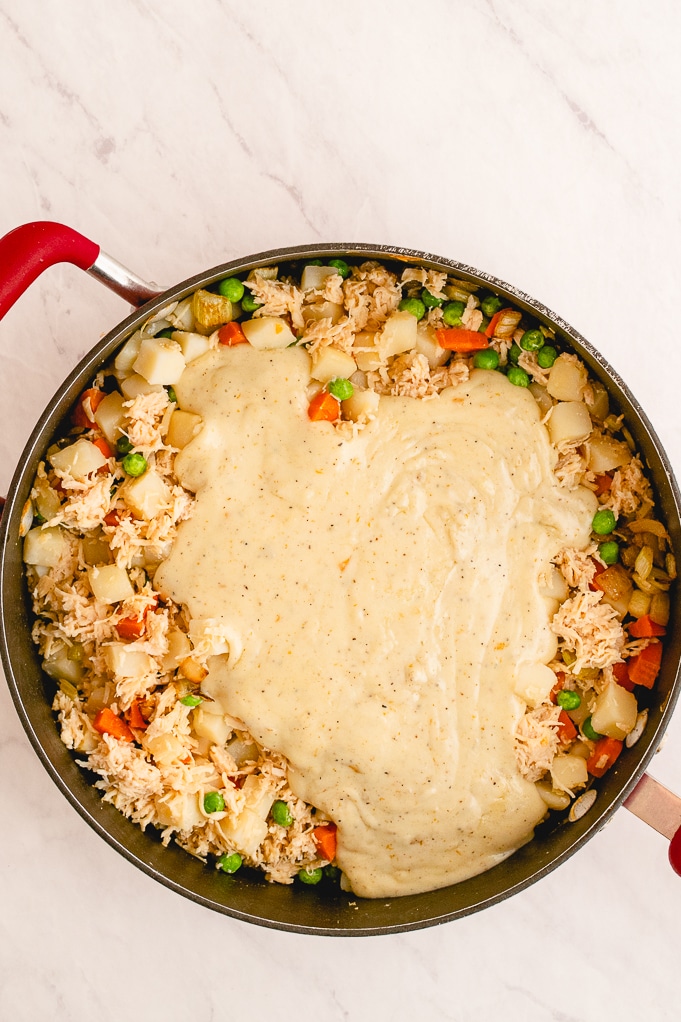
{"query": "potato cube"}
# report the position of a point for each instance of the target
(597, 401)
(259, 795)
(179, 809)
(166, 748)
(45, 547)
(534, 683)
(146, 495)
(212, 726)
(615, 712)
(569, 772)
(268, 332)
(133, 386)
(78, 460)
(361, 406)
(315, 277)
(109, 583)
(160, 361)
(124, 662)
(398, 334)
(329, 362)
(426, 344)
(606, 454)
(183, 428)
(567, 379)
(246, 832)
(126, 356)
(323, 310)
(179, 648)
(192, 345)
(368, 361)
(569, 423)
(210, 311)
(111, 415)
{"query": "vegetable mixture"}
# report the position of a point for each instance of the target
(105, 507)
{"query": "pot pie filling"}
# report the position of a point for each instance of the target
(316, 600)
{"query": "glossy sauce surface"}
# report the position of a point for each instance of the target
(382, 593)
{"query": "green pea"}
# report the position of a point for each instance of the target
(249, 303)
(603, 522)
(230, 863)
(546, 356)
(514, 354)
(340, 388)
(569, 700)
(490, 305)
(123, 446)
(168, 332)
(588, 731)
(135, 464)
(213, 802)
(332, 872)
(609, 552)
(429, 300)
(310, 876)
(518, 377)
(413, 305)
(281, 813)
(341, 266)
(172, 396)
(191, 700)
(232, 288)
(532, 340)
(452, 313)
(487, 359)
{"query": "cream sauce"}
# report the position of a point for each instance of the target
(382, 592)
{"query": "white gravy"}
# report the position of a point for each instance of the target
(382, 592)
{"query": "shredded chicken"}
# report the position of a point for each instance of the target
(591, 629)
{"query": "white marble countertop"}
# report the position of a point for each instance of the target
(538, 141)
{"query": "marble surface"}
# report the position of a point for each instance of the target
(539, 141)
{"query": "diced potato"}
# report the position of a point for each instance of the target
(96, 549)
(192, 345)
(362, 405)
(183, 428)
(109, 583)
(241, 751)
(264, 273)
(78, 460)
(534, 683)
(154, 553)
(213, 726)
(179, 809)
(125, 662)
(259, 795)
(552, 584)
(246, 832)
(598, 401)
(542, 397)
(165, 749)
(569, 423)
(554, 799)
(46, 499)
(268, 332)
(60, 667)
(315, 277)
(426, 344)
(398, 334)
(210, 311)
(567, 379)
(179, 647)
(569, 772)
(160, 361)
(323, 310)
(133, 386)
(329, 362)
(110, 416)
(126, 356)
(614, 712)
(369, 361)
(146, 495)
(45, 547)
(182, 317)
(606, 454)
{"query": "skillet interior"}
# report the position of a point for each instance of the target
(320, 910)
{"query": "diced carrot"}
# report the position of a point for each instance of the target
(238, 781)
(646, 628)
(644, 668)
(455, 338)
(558, 687)
(130, 628)
(324, 406)
(621, 673)
(566, 729)
(600, 568)
(325, 840)
(231, 334)
(102, 445)
(603, 484)
(135, 718)
(492, 325)
(606, 751)
(108, 723)
(84, 412)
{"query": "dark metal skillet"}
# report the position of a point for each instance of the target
(24, 253)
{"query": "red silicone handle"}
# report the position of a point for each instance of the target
(28, 250)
